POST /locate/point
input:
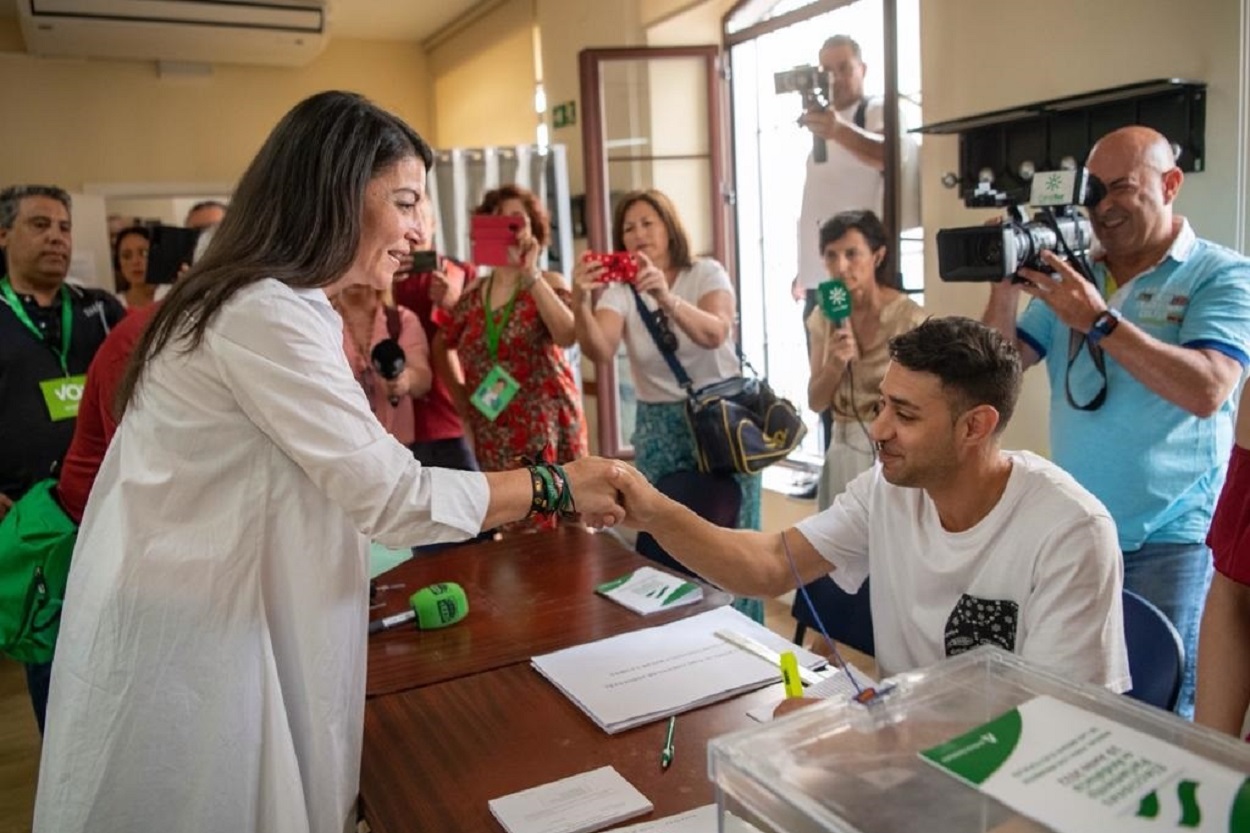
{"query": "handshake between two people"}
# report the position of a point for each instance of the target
(608, 493)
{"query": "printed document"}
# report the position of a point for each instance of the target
(636, 678)
(1073, 771)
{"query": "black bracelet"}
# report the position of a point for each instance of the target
(551, 492)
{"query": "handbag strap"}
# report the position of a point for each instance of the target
(648, 318)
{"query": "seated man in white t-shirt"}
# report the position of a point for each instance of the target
(967, 544)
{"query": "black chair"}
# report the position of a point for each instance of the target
(714, 497)
(848, 617)
(1156, 655)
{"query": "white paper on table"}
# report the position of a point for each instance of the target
(647, 675)
(699, 820)
(578, 804)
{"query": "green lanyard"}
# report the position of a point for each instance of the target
(495, 327)
(67, 320)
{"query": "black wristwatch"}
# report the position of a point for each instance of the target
(1104, 325)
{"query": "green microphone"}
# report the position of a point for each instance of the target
(435, 606)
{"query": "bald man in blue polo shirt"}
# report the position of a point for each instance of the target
(1150, 432)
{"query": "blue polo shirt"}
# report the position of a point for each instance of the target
(1155, 466)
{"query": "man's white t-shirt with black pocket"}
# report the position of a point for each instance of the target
(1040, 575)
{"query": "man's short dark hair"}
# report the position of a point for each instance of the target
(976, 365)
(843, 40)
(12, 196)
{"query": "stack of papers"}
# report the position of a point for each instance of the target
(577, 804)
(703, 819)
(647, 590)
(644, 676)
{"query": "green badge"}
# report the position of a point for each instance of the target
(62, 396)
(835, 300)
(495, 392)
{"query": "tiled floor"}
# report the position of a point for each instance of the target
(19, 750)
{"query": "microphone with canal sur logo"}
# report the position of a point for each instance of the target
(433, 607)
(835, 301)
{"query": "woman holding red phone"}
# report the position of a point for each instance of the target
(501, 352)
(692, 303)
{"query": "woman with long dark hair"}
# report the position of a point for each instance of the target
(130, 261)
(210, 670)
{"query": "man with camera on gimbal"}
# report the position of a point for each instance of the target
(1143, 362)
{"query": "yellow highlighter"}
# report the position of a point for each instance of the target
(790, 675)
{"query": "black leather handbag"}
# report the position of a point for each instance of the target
(740, 426)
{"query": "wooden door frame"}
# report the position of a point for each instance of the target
(598, 216)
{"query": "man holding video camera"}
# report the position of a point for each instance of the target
(1143, 363)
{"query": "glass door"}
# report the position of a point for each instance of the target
(652, 120)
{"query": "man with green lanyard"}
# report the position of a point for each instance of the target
(49, 331)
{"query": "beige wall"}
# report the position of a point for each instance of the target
(483, 80)
(979, 55)
(569, 26)
(78, 121)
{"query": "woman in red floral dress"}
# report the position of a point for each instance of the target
(501, 354)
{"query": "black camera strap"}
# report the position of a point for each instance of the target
(683, 378)
(648, 318)
(861, 113)
(1075, 340)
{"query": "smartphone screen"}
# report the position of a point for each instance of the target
(169, 249)
(424, 262)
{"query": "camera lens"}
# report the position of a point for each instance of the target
(989, 250)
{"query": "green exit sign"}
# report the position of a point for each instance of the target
(564, 115)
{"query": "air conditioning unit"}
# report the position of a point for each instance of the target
(277, 32)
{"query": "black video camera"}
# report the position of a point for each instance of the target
(992, 253)
(812, 83)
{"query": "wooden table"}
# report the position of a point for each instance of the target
(434, 756)
(528, 595)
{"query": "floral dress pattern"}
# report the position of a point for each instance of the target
(544, 419)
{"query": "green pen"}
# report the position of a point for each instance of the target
(666, 755)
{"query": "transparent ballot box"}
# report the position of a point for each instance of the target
(1007, 747)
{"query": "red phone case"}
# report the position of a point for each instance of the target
(492, 235)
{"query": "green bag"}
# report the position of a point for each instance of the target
(36, 543)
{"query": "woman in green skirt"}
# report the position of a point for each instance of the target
(691, 302)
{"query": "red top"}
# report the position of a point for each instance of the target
(544, 419)
(96, 423)
(1229, 537)
(434, 415)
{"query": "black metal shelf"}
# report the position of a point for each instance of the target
(1050, 133)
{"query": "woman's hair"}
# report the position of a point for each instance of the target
(540, 224)
(136, 231)
(867, 224)
(678, 240)
(295, 216)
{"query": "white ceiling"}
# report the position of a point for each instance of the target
(403, 20)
